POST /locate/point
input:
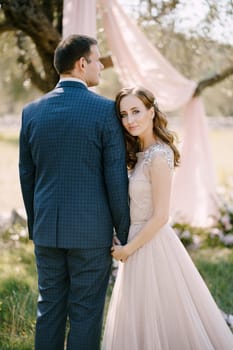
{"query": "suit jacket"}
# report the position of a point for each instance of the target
(73, 169)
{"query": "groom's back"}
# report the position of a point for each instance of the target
(65, 129)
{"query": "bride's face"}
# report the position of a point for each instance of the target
(135, 117)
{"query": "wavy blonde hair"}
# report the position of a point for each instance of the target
(159, 125)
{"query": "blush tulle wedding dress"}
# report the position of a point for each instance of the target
(159, 300)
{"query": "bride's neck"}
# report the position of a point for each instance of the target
(146, 143)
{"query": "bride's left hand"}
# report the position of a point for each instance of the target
(120, 252)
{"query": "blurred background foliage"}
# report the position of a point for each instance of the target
(196, 40)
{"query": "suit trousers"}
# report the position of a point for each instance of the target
(72, 286)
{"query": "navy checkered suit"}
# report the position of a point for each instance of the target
(74, 185)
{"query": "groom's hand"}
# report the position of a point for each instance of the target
(116, 241)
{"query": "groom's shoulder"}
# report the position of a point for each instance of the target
(101, 100)
(30, 106)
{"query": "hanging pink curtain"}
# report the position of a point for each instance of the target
(194, 186)
(138, 62)
(79, 17)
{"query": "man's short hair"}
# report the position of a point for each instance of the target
(70, 50)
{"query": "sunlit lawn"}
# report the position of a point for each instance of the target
(216, 267)
(18, 295)
(18, 291)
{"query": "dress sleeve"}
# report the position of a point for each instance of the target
(160, 155)
(159, 165)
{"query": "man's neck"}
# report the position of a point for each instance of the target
(65, 77)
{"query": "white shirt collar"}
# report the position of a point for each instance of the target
(73, 79)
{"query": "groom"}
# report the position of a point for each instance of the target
(74, 185)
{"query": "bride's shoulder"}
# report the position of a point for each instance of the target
(159, 151)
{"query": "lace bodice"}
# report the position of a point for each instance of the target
(140, 191)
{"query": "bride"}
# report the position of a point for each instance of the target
(159, 301)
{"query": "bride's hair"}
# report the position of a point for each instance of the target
(159, 125)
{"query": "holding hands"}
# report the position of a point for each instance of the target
(119, 252)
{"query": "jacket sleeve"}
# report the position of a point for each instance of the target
(27, 176)
(115, 173)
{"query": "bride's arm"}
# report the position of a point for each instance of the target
(161, 180)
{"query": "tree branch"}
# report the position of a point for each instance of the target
(35, 77)
(106, 61)
(162, 9)
(60, 15)
(48, 9)
(6, 26)
(30, 18)
(216, 78)
(41, 84)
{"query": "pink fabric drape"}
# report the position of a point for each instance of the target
(138, 62)
(194, 186)
(79, 17)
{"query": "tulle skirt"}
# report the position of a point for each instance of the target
(160, 302)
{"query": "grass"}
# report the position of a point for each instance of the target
(18, 294)
(216, 267)
(18, 290)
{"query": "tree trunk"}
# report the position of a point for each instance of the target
(30, 17)
(216, 78)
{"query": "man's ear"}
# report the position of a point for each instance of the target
(80, 64)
